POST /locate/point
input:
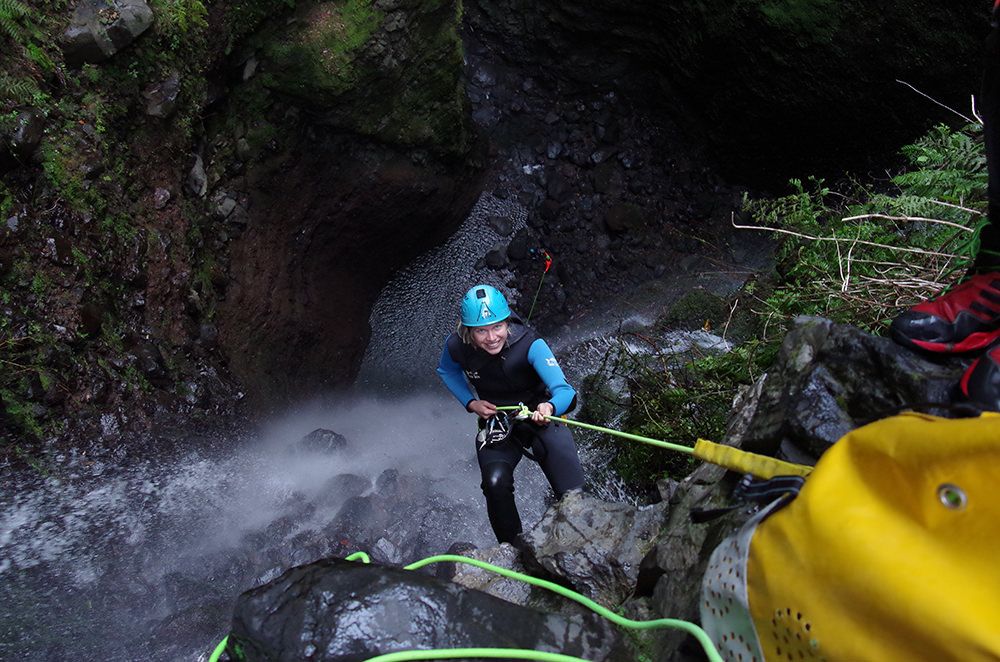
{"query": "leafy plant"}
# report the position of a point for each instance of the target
(854, 252)
(857, 254)
(13, 14)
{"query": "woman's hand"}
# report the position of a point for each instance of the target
(482, 408)
(541, 411)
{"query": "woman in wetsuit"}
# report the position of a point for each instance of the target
(493, 360)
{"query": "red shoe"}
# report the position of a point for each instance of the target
(965, 319)
(981, 382)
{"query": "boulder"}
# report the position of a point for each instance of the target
(595, 546)
(831, 378)
(29, 127)
(161, 97)
(625, 217)
(338, 610)
(403, 517)
(323, 441)
(101, 28)
(197, 180)
(470, 576)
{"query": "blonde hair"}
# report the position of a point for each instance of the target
(465, 332)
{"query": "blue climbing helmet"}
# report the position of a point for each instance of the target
(484, 305)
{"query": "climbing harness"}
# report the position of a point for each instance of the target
(494, 430)
(523, 654)
(548, 265)
(734, 459)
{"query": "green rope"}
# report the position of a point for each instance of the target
(537, 292)
(452, 653)
(218, 649)
(436, 654)
(677, 624)
(598, 428)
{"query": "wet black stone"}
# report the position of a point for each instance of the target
(352, 611)
(559, 189)
(503, 225)
(29, 127)
(496, 258)
(322, 440)
(517, 249)
(91, 318)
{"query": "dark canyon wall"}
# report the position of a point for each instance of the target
(779, 87)
(202, 198)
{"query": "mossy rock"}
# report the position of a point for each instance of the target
(695, 310)
(393, 75)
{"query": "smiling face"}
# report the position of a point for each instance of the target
(491, 339)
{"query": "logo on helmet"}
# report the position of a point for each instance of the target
(485, 313)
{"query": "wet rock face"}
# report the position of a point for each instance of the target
(322, 440)
(329, 222)
(596, 546)
(781, 87)
(831, 378)
(349, 611)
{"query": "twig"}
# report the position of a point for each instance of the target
(975, 111)
(850, 253)
(908, 218)
(838, 239)
(840, 268)
(927, 96)
(725, 329)
(959, 207)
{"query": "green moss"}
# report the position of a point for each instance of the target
(679, 401)
(40, 284)
(331, 60)
(816, 21)
(695, 310)
(319, 59)
(242, 18)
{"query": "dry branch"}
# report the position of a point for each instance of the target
(902, 249)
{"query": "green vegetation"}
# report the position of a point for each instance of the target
(22, 39)
(21, 372)
(854, 253)
(859, 253)
(817, 20)
(330, 61)
(89, 184)
(321, 57)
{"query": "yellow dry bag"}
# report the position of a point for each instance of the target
(890, 552)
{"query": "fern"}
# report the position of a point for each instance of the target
(39, 57)
(21, 90)
(950, 165)
(11, 11)
(854, 258)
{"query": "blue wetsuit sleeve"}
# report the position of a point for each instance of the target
(545, 364)
(451, 374)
